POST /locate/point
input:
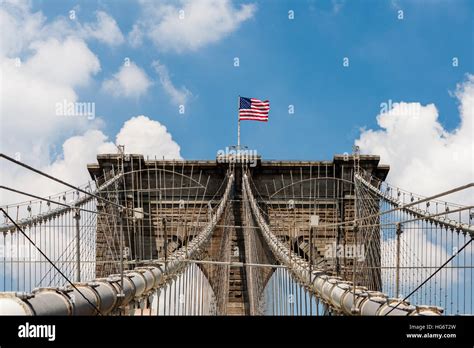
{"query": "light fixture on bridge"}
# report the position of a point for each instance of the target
(314, 221)
(291, 204)
(138, 213)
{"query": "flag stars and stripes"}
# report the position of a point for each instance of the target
(251, 109)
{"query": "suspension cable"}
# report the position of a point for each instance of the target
(431, 276)
(67, 184)
(51, 262)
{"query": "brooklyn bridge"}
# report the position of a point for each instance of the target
(230, 236)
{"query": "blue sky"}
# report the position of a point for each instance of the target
(296, 62)
(398, 50)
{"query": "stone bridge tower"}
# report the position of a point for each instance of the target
(173, 199)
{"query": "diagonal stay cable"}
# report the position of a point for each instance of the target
(407, 205)
(51, 262)
(67, 184)
(55, 211)
(432, 275)
(46, 199)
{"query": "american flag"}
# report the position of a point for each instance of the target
(253, 109)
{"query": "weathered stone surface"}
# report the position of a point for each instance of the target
(175, 198)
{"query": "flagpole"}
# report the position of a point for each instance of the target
(238, 123)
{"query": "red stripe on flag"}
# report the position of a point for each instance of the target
(258, 111)
(254, 119)
(250, 115)
(254, 111)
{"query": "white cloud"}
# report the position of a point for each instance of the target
(142, 135)
(135, 36)
(190, 24)
(132, 81)
(139, 135)
(105, 30)
(129, 81)
(21, 27)
(49, 73)
(179, 96)
(419, 257)
(28, 105)
(425, 158)
(70, 166)
(77, 152)
(55, 62)
(29, 125)
(395, 4)
(66, 63)
(337, 5)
